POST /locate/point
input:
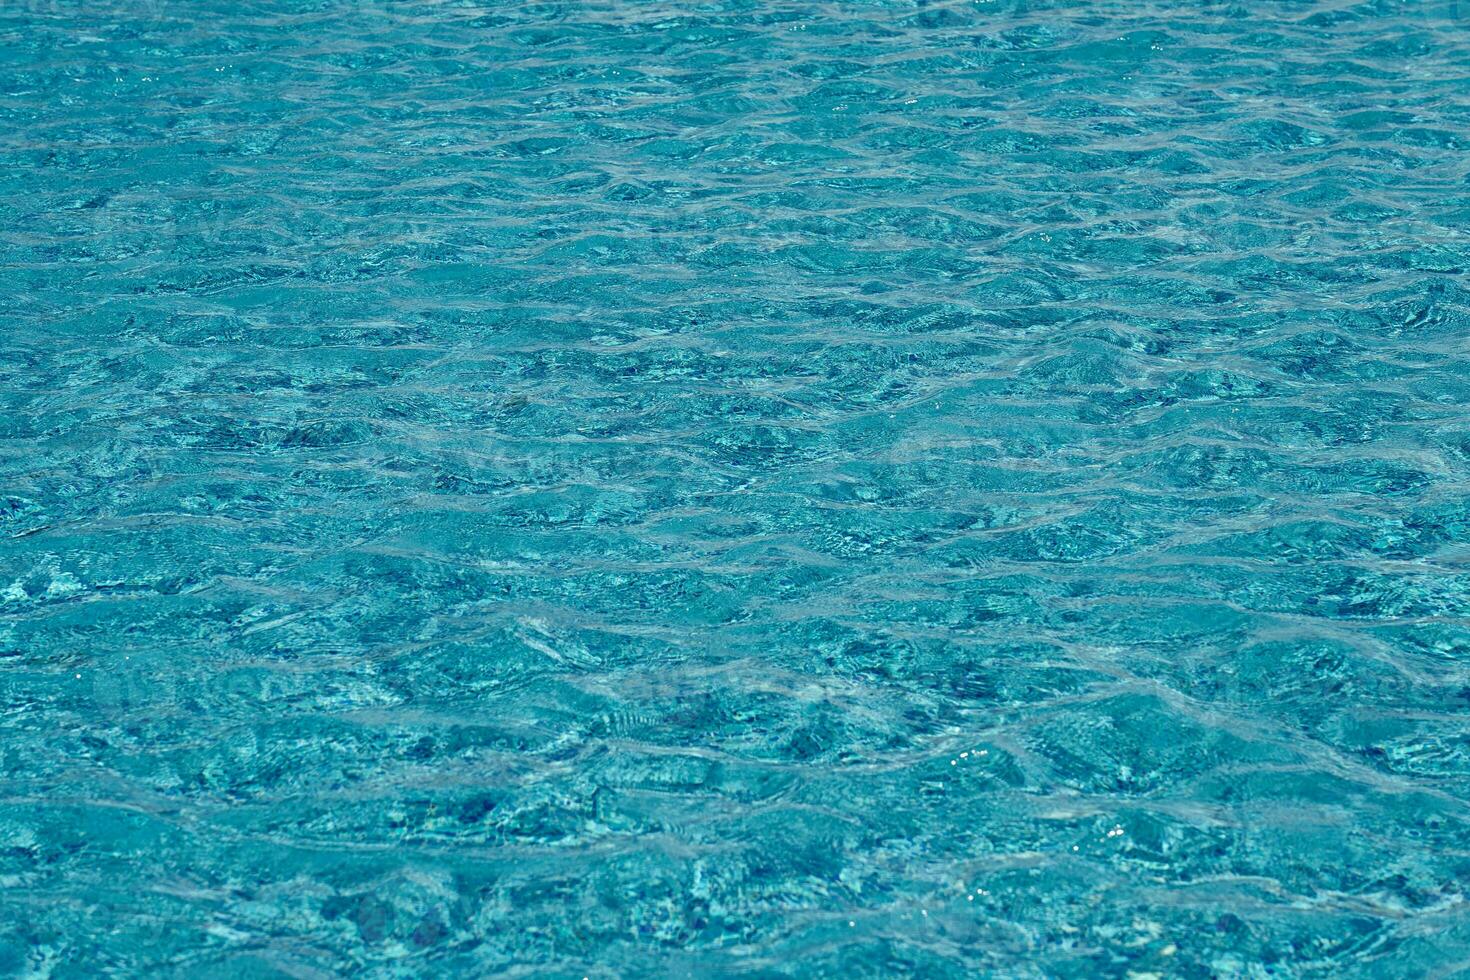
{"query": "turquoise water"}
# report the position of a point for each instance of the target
(784, 489)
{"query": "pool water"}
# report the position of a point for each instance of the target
(778, 489)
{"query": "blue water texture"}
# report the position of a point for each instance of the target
(735, 488)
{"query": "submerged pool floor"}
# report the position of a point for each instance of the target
(773, 489)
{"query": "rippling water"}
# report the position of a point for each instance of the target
(786, 488)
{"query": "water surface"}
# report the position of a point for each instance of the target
(782, 489)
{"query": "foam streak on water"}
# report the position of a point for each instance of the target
(618, 488)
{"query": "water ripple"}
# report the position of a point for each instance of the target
(791, 489)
